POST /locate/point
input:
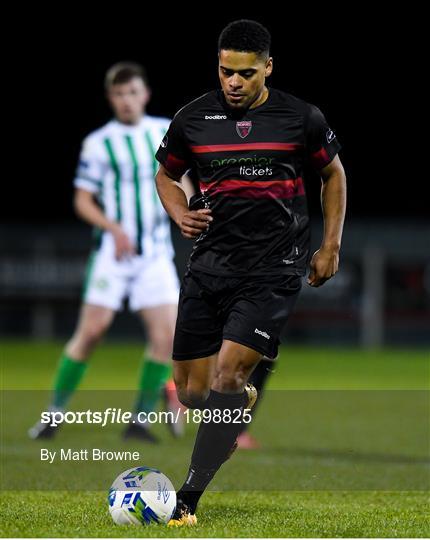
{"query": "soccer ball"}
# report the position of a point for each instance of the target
(140, 496)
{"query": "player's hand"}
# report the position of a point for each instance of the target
(324, 265)
(194, 222)
(123, 247)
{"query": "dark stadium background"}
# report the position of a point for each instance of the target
(353, 65)
(344, 422)
(356, 65)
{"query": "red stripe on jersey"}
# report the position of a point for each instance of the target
(175, 165)
(300, 186)
(254, 189)
(320, 159)
(289, 147)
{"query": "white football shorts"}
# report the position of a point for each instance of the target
(145, 282)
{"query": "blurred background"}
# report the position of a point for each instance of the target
(355, 74)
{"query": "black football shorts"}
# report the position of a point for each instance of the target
(249, 310)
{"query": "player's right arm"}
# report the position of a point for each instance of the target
(88, 181)
(88, 210)
(191, 222)
(175, 159)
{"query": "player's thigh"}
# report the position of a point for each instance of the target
(259, 311)
(159, 323)
(234, 365)
(106, 280)
(198, 332)
(155, 283)
(159, 320)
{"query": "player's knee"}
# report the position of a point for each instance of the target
(161, 346)
(91, 335)
(192, 397)
(228, 379)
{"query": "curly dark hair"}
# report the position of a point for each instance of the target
(245, 35)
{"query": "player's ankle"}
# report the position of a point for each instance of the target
(188, 500)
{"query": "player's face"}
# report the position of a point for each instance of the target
(242, 76)
(128, 100)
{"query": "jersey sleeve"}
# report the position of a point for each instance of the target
(89, 172)
(320, 140)
(173, 152)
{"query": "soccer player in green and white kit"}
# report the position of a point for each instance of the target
(116, 193)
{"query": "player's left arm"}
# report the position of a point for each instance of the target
(325, 261)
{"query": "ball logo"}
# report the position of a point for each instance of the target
(166, 494)
(243, 128)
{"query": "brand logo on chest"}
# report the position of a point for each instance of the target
(243, 128)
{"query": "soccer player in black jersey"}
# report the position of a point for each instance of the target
(247, 145)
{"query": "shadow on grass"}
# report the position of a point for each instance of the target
(349, 455)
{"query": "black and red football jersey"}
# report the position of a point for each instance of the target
(249, 167)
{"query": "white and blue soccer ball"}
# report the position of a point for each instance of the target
(141, 496)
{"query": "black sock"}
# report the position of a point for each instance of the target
(258, 378)
(213, 444)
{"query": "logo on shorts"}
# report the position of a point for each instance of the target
(243, 128)
(330, 135)
(261, 333)
(101, 283)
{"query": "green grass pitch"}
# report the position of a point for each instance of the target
(345, 450)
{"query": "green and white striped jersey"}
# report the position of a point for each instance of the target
(117, 163)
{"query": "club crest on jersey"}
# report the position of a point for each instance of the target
(243, 128)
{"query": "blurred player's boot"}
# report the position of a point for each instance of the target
(183, 516)
(252, 395)
(140, 431)
(246, 441)
(252, 398)
(172, 405)
(45, 430)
